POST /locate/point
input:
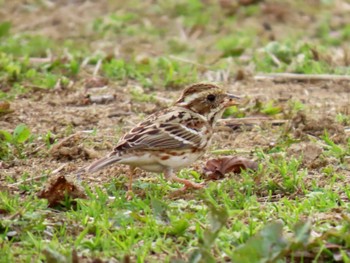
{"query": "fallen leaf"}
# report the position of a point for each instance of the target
(5, 108)
(58, 189)
(4, 105)
(216, 169)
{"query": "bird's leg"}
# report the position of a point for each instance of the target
(129, 193)
(170, 175)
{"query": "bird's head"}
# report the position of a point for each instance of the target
(206, 99)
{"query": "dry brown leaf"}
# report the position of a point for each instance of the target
(58, 189)
(4, 105)
(5, 108)
(217, 168)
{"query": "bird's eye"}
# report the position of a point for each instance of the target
(211, 97)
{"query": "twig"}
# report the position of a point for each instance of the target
(39, 176)
(38, 148)
(85, 62)
(301, 77)
(58, 169)
(59, 144)
(97, 67)
(27, 180)
(187, 61)
(274, 59)
(250, 121)
(39, 60)
(183, 34)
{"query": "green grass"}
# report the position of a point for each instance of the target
(219, 219)
(225, 218)
(283, 212)
(13, 144)
(151, 72)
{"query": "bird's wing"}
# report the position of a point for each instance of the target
(165, 130)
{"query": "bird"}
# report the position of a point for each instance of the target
(172, 138)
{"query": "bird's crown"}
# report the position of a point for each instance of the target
(199, 90)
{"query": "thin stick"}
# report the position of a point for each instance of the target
(250, 121)
(39, 60)
(58, 169)
(59, 144)
(301, 77)
(187, 61)
(274, 59)
(27, 180)
(97, 67)
(39, 176)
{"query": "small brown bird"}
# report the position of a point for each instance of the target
(173, 138)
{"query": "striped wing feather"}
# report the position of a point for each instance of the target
(166, 132)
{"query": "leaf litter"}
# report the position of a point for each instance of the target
(59, 189)
(216, 169)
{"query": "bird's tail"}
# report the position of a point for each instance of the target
(99, 164)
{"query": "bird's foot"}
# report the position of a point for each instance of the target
(192, 185)
(185, 189)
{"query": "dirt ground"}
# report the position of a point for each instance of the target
(64, 111)
(60, 113)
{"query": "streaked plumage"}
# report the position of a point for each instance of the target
(172, 138)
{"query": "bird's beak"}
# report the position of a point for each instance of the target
(232, 100)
